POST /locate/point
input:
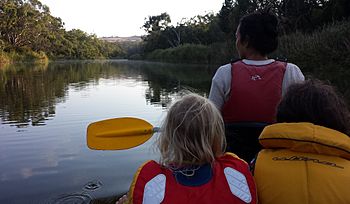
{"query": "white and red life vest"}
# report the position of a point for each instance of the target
(231, 182)
(255, 93)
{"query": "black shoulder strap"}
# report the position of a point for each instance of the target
(281, 59)
(233, 60)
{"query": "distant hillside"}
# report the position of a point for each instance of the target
(122, 39)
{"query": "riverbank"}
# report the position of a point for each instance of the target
(4, 59)
(324, 49)
(7, 58)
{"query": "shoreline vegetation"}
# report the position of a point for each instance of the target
(321, 50)
(326, 49)
(317, 40)
(29, 56)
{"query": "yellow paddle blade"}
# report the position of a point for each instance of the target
(118, 133)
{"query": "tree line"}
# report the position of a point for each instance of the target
(27, 26)
(305, 16)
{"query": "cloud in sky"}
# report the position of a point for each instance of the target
(124, 17)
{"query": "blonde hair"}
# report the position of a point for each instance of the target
(192, 133)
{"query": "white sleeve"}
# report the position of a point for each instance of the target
(220, 86)
(292, 75)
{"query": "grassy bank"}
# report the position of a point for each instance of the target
(28, 56)
(191, 53)
(22, 56)
(188, 53)
(327, 49)
(4, 59)
(324, 54)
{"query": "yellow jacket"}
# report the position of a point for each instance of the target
(303, 163)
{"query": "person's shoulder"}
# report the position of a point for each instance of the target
(150, 174)
(289, 65)
(225, 67)
(232, 161)
(230, 157)
(147, 171)
(222, 72)
(292, 66)
(294, 71)
(150, 163)
(149, 166)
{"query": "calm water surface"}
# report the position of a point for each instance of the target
(44, 112)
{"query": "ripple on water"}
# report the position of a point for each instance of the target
(76, 198)
(93, 185)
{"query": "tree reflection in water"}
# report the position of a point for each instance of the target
(30, 92)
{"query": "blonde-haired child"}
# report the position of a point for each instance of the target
(193, 167)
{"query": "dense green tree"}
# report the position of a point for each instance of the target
(294, 15)
(335, 10)
(302, 15)
(27, 26)
(80, 45)
(225, 16)
(196, 30)
(154, 26)
(156, 23)
(22, 22)
(201, 30)
(230, 13)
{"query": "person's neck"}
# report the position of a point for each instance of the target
(253, 55)
(256, 57)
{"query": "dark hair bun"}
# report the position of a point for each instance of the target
(269, 19)
(270, 23)
(259, 29)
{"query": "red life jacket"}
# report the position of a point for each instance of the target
(255, 93)
(231, 182)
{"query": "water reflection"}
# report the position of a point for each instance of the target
(26, 95)
(45, 111)
(30, 92)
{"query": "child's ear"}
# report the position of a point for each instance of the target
(245, 43)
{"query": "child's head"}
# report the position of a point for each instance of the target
(192, 133)
(258, 32)
(314, 102)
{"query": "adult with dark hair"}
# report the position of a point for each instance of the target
(247, 91)
(306, 155)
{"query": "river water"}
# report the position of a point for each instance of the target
(44, 113)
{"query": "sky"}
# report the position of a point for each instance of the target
(124, 18)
